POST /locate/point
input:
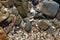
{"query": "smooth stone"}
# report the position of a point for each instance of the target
(50, 8)
(28, 26)
(22, 7)
(42, 25)
(14, 11)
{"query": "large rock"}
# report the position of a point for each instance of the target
(50, 8)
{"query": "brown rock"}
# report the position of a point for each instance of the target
(3, 35)
(42, 25)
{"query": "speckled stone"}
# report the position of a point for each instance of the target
(42, 25)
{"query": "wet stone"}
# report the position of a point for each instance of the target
(18, 20)
(3, 35)
(23, 9)
(42, 25)
(28, 26)
(50, 8)
(58, 15)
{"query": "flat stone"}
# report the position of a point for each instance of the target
(50, 8)
(3, 35)
(28, 26)
(42, 25)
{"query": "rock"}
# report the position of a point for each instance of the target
(14, 11)
(58, 15)
(43, 25)
(28, 26)
(57, 1)
(50, 8)
(18, 20)
(22, 7)
(3, 35)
